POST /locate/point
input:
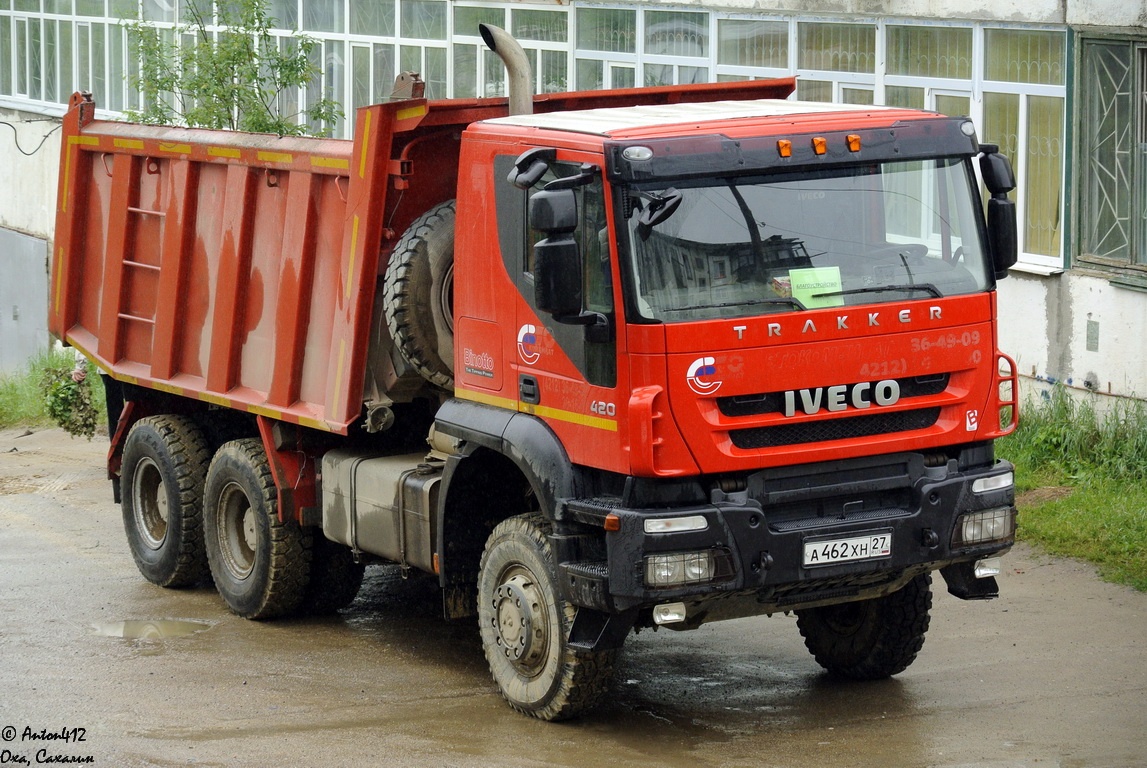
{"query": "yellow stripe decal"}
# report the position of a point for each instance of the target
(162, 387)
(87, 141)
(338, 379)
(207, 397)
(175, 149)
(127, 144)
(271, 412)
(231, 152)
(275, 157)
(353, 251)
(410, 112)
(582, 419)
(486, 399)
(314, 424)
(365, 145)
(331, 162)
(58, 268)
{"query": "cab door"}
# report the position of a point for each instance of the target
(565, 373)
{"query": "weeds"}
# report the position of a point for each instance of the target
(1103, 459)
(44, 393)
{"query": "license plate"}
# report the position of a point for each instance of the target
(868, 546)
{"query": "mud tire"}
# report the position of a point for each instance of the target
(419, 287)
(161, 494)
(870, 639)
(335, 577)
(261, 565)
(539, 675)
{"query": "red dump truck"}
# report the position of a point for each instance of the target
(599, 361)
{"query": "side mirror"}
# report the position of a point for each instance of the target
(557, 259)
(531, 166)
(1003, 239)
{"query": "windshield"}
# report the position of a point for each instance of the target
(847, 236)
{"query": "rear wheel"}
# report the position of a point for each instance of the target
(870, 639)
(525, 626)
(335, 577)
(161, 493)
(260, 565)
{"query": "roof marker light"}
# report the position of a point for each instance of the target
(853, 142)
(820, 145)
(637, 153)
(784, 148)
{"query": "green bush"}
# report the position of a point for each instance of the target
(1067, 438)
(1083, 473)
(45, 393)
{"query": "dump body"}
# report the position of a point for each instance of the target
(241, 269)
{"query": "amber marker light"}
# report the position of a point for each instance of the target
(853, 142)
(820, 145)
(784, 148)
(612, 522)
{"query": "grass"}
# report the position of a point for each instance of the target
(23, 402)
(1080, 477)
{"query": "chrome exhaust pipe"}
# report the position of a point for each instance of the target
(518, 69)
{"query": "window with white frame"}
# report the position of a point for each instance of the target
(1112, 119)
(1024, 96)
(1010, 79)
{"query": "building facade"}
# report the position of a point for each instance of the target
(1059, 85)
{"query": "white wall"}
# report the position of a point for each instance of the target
(28, 184)
(1076, 328)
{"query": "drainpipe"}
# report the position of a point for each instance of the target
(517, 64)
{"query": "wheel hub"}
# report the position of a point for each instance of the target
(519, 621)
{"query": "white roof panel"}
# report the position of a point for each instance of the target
(611, 120)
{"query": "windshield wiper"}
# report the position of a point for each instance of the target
(933, 290)
(788, 301)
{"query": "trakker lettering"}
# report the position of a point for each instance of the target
(839, 397)
(904, 316)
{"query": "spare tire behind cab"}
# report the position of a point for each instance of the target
(419, 288)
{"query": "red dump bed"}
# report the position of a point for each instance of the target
(240, 269)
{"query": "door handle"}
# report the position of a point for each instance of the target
(528, 390)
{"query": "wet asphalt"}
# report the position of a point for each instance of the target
(97, 663)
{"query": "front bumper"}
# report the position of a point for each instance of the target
(758, 537)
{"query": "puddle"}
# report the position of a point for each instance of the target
(160, 629)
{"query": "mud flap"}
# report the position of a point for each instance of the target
(594, 631)
(962, 582)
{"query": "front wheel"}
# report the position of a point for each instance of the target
(260, 564)
(870, 639)
(525, 626)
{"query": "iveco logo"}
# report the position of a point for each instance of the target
(838, 398)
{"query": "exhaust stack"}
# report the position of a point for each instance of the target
(517, 64)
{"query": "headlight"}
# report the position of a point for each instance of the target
(676, 524)
(983, 527)
(676, 569)
(997, 483)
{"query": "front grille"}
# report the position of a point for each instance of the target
(834, 429)
(774, 402)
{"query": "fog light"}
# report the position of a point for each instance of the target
(997, 483)
(989, 566)
(982, 527)
(676, 524)
(678, 568)
(669, 613)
